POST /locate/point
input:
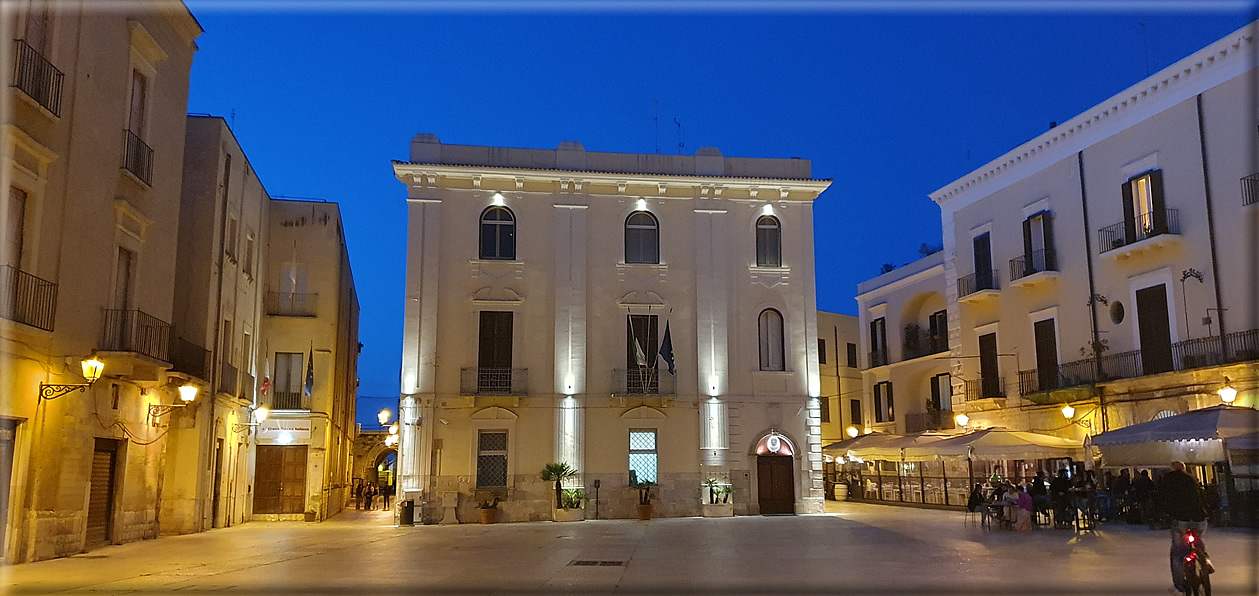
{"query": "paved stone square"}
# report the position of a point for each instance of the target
(853, 549)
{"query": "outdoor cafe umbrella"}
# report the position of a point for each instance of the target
(1195, 437)
(842, 447)
(997, 444)
(906, 448)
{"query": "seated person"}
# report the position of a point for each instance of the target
(1023, 514)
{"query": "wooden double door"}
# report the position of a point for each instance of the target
(775, 484)
(280, 479)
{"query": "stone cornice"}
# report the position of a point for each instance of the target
(431, 175)
(1225, 59)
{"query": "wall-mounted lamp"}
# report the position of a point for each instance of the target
(393, 429)
(852, 432)
(383, 416)
(187, 394)
(1227, 392)
(961, 419)
(259, 415)
(92, 367)
(1068, 412)
(391, 440)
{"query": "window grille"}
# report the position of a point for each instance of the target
(491, 459)
(642, 456)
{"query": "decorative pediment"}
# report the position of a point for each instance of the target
(643, 413)
(770, 276)
(640, 299)
(494, 413)
(496, 296)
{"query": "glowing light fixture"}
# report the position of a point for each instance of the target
(92, 370)
(868, 431)
(497, 199)
(768, 209)
(642, 204)
(961, 419)
(261, 414)
(384, 416)
(187, 392)
(93, 367)
(284, 438)
(853, 432)
(1068, 412)
(1227, 392)
(393, 428)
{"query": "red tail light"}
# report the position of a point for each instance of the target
(1190, 538)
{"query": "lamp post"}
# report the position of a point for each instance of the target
(383, 416)
(92, 367)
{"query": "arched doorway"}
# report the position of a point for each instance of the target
(382, 470)
(775, 475)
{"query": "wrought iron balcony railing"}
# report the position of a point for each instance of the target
(494, 381)
(643, 381)
(137, 157)
(919, 343)
(27, 299)
(1250, 190)
(245, 386)
(933, 420)
(289, 304)
(190, 358)
(878, 358)
(37, 77)
(1040, 261)
(1148, 225)
(136, 331)
(977, 282)
(228, 378)
(279, 399)
(984, 388)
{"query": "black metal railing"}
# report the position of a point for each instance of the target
(933, 420)
(1067, 374)
(286, 400)
(1250, 190)
(37, 77)
(190, 358)
(1123, 365)
(137, 157)
(1241, 346)
(27, 299)
(919, 343)
(977, 282)
(229, 377)
(289, 304)
(1040, 261)
(1148, 225)
(136, 331)
(643, 381)
(985, 387)
(878, 358)
(493, 381)
(245, 386)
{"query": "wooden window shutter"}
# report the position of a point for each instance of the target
(1051, 255)
(1129, 214)
(1156, 202)
(1029, 264)
(891, 410)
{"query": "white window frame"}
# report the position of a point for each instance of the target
(654, 452)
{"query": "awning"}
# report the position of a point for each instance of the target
(1195, 437)
(997, 444)
(1243, 442)
(842, 447)
(899, 448)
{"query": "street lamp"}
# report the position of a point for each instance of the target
(383, 416)
(259, 415)
(92, 367)
(1068, 411)
(187, 393)
(852, 431)
(1227, 392)
(393, 429)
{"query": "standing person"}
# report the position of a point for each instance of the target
(1142, 493)
(387, 492)
(371, 496)
(1039, 492)
(358, 496)
(1183, 501)
(1119, 491)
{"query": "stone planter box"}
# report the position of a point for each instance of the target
(643, 511)
(718, 510)
(569, 515)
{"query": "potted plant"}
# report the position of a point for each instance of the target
(570, 509)
(644, 507)
(487, 505)
(718, 502)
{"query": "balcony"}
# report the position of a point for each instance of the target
(978, 287)
(190, 359)
(35, 76)
(228, 379)
(1041, 267)
(137, 158)
(137, 332)
(27, 299)
(933, 420)
(878, 358)
(642, 381)
(985, 388)
(288, 304)
(1250, 190)
(1147, 232)
(280, 399)
(493, 381)
(919, 343)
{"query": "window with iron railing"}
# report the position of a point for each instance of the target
(136, 331)
(137, 157)
(35, 76)
(977, 282)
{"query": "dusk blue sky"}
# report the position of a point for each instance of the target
(891, 106)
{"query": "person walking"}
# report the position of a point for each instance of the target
(1183, 501)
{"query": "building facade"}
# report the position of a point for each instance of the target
(93, 158)
(219, 290)
(546, 287)
(841, 404)
(305, 448)
(904, 336)
(1109, 263)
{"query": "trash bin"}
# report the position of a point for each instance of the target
(406, 516)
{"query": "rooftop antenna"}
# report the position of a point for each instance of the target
(680, 143)
(655, 122)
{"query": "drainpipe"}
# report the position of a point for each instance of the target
(1088, 260)
(1206, 192)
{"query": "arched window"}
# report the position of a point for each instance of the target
(768, 242)
(771, 334)
(498, 234)
(642, 238)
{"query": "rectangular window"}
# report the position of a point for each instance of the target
(824, 408)
(1046, 354)
(641, 344)
(248, 267)
(942, 392)
(232, 237)
(286, 392)
(642, 455)
(883, 408)
(852, 355)
(878, 342)
(139, 103)
(14, 227)
(1144, 213)
(854, 413)
(1038, 244)
(938, 324)
(292, 278)
(494, 352)
(821, 351)
(991, 384)
(491, 459)
(985, 277)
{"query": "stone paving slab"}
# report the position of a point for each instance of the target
(854, 549)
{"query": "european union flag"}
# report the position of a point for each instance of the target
(666, 348)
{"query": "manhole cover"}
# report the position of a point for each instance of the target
(597, 563)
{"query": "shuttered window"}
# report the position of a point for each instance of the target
(768, 242)
(491, 459)
(771, 340)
